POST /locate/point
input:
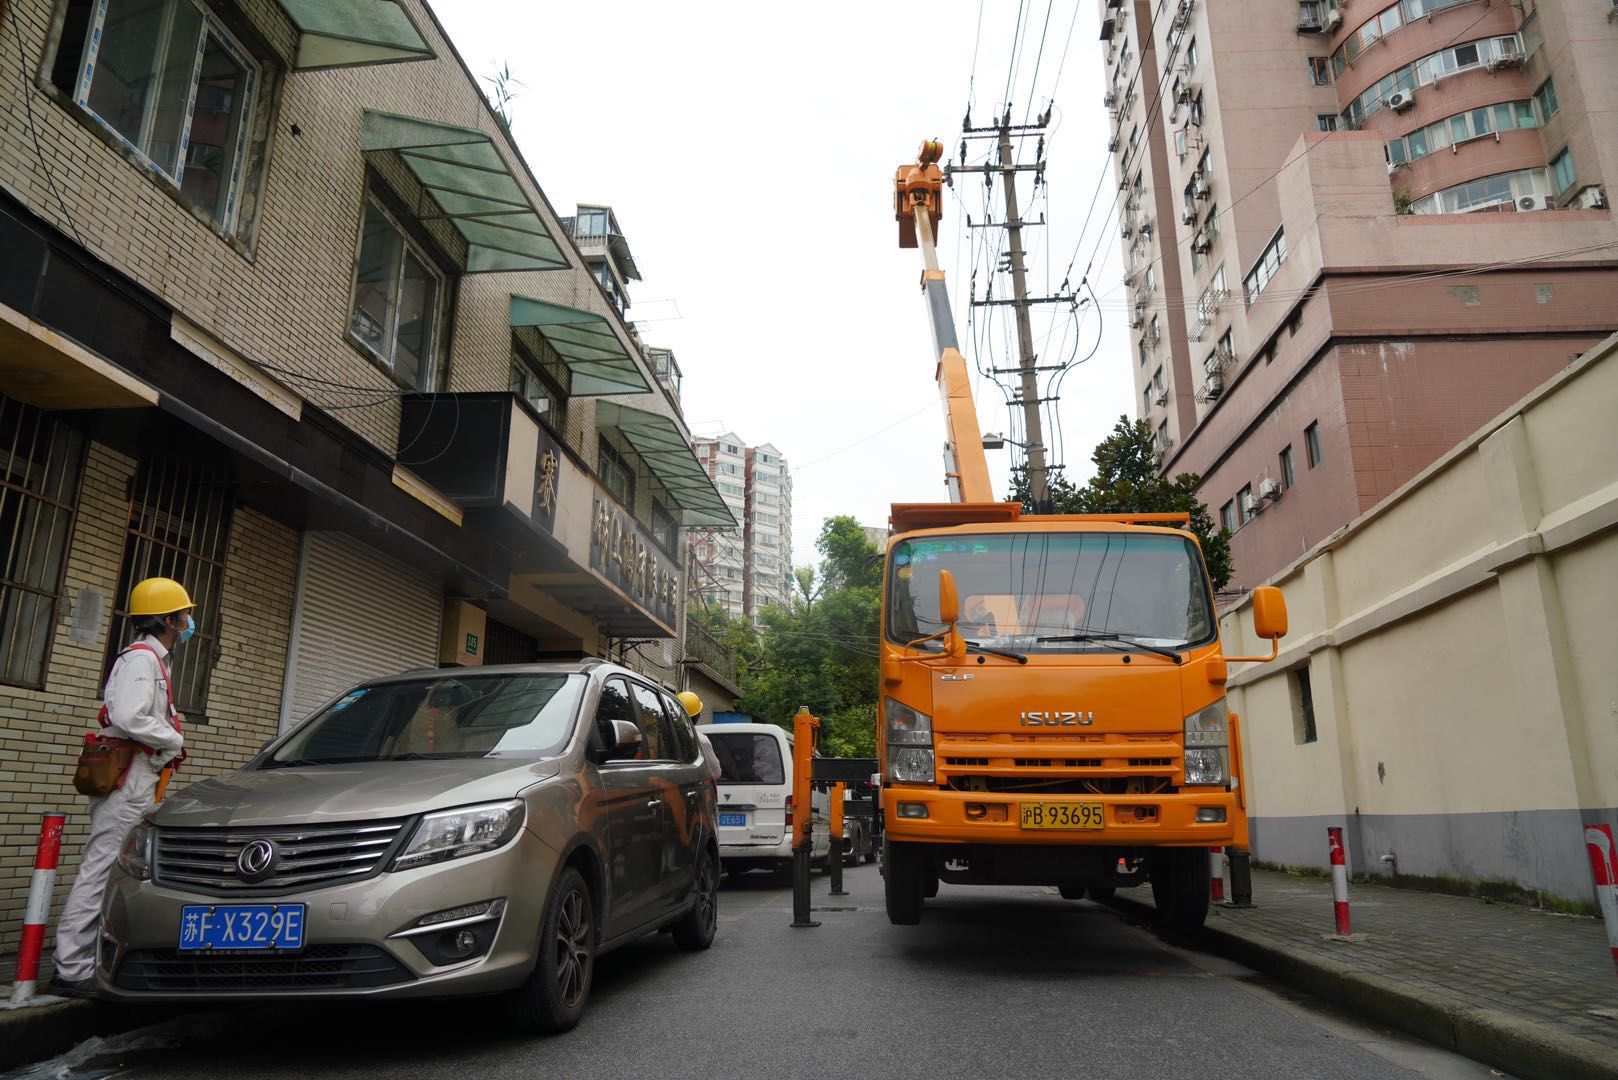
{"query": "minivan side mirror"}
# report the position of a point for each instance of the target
(623, 741)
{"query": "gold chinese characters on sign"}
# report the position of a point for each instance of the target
(628, 557)
(545, 490)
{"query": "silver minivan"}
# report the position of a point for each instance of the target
(466, 831)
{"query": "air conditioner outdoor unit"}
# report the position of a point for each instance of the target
(1128, 228)
(1199, 188)
(1188, 218)
(1395, 166)
(1252, 504)
(1109, 99)
(1593, 198)
(1112, 145)
(1200, 242)
(1215, 385)
(1137, 319)
(1162, 398)
(1400, 100)
(1536, 201)
(1269, 489)
(1334, 19)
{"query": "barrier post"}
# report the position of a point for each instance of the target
(25, 979)
(835, 866)
(1604, 869)
(1339, 879)
(805, 729)
(1216, 875)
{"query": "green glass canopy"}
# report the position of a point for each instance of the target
(667, 452)
(466, 176)
(596, 361)
(348, 33)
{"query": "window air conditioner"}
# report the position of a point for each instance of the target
(1200, 242)
(1400, 100)
(1269, 489)
(1334, 19)
(1536, 201)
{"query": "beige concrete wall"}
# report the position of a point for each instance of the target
(1458, 641)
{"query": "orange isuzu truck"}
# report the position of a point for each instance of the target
(1052, 687)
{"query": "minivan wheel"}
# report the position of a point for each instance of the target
(695, 930)
(903, 882)
(553, 998)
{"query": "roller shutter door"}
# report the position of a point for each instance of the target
(359, 614)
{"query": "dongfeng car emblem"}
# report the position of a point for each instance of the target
(1057, 718)
(256, 860)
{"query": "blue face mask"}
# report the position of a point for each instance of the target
(190, 628)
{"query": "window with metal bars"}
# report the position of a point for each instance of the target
(179, 527)
(41, 462)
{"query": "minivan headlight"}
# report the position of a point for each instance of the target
(136, 857)
(452, 834)
(1207, 737)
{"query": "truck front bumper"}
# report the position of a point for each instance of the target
(1165, 820)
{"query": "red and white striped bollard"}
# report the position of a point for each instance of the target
(1339, 879)
(1604, 869)
(26, 976)
(1216, 875)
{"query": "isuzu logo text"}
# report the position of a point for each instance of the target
(1054, 718)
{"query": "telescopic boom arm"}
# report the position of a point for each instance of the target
(919, 205)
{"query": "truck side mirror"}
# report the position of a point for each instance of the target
(949, 602)
(1269, 613)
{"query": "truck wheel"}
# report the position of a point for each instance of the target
(902, 882)
(1101, 893)
(1071, 892)
(931, 883)
(1180, 888)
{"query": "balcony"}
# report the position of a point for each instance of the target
(703, 650)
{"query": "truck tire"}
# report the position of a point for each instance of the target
(903, 882)
(1101, 893)
(1071, 892)
(1180, 888)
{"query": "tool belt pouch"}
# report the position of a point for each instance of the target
(103, 762)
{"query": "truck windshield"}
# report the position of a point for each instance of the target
(1111, 588)
(438, 717)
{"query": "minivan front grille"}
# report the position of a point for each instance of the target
(320, 967)
(204, 860)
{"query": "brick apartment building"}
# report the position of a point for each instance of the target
(1354, 231)
(284, 314)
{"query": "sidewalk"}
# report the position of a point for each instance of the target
(1530, 992)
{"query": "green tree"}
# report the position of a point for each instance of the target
(1127, 481)
(821, 652)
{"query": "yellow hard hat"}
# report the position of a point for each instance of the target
(692, 703)
(159, 596)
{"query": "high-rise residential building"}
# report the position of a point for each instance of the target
(1353, 232)
(748, 570)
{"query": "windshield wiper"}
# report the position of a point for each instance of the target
(303, 763)
(973, 646)
(1102, 639)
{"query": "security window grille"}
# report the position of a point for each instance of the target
(528, 383)
(616, 475)
(39, 485)
(179, 527)
(398, 297)
(172, 85)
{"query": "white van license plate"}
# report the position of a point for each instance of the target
(733, 820)
(228, 927)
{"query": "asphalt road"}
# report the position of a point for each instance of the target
(994, 983)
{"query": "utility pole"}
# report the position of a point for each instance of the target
(1028, 367)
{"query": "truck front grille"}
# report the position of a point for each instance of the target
(1048, 764)
(306, 856)
(1088, 785)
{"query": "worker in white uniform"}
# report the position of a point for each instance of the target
(139, 700)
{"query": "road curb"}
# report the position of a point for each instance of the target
(41, 1032)
(1527, 1050)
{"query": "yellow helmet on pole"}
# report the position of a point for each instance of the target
(692, 703)
(159, 596)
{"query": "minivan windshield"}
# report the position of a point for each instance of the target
(441, 716)
(748, 757)
(1028, 592)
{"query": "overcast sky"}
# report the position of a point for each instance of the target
(749, 153)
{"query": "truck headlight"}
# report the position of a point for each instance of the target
(910, 764)
(906, 726)
(453, 834)
(1207, 738)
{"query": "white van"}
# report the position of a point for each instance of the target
(755, 780)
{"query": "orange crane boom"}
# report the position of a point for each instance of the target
(919, 206)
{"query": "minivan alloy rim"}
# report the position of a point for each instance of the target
(706, 889)
(573, 947)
